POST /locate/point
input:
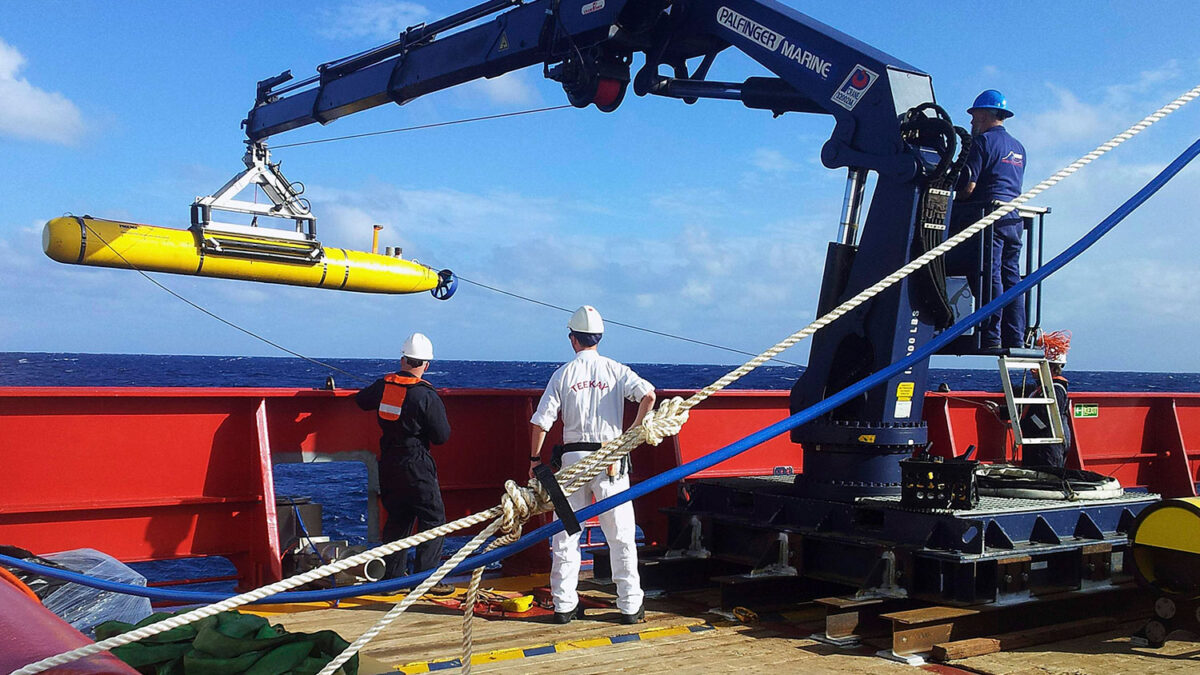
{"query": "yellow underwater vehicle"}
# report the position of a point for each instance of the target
(247, 252)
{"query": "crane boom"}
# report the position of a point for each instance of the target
(886, 121)
(580, 42)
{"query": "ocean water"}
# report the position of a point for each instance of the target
(30, 369)
(344, 515)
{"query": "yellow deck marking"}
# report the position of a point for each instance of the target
(555, 648)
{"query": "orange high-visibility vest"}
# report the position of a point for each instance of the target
(395, 389)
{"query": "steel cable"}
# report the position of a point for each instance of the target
(419, 127)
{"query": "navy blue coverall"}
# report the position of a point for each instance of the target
(408, 482)
(1036, 424)
(996, 164)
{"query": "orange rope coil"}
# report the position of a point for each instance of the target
(1056, 345)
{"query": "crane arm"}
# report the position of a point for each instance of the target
(885, 120)
(588, 46)
(421, 61)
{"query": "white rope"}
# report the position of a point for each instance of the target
(257, 594)
(518, 504)
(672, 414)
(409, 599)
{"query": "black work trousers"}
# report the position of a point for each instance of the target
(410, 492)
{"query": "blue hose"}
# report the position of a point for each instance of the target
(680, 472)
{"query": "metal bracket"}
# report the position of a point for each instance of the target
(886, 586)
(695, 547)
(780, 567)
(252, 241)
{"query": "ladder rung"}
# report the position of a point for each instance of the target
(1022, 364)
(1031, 401)
(1040, 441)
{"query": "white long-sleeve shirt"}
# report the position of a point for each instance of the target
(589, 391)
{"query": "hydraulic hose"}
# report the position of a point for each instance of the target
(684, 470)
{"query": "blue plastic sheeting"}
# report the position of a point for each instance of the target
(680, 472)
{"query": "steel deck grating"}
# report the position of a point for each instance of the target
(999, 505)
(782, 485)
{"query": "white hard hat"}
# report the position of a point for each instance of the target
(417, 346)
(586, 320)
(1056, 345)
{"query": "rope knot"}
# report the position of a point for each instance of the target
(519, 504)
(666, 421)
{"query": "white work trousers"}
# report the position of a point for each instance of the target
(620, 533)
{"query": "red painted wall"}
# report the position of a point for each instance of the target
(152, 473)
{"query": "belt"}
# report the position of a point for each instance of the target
(556, 454)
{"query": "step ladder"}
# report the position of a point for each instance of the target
(1046, 397)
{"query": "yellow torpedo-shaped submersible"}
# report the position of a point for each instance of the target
(248, 253)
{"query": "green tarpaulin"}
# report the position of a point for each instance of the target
(227, 643)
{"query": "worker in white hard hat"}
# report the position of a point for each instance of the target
(412, 417)
(590, 393)
(1035, 422)
(1036, 418)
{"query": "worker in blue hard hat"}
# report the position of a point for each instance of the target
(995, 172)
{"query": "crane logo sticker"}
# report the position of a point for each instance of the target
(749, 29)
(854, 87)
(593, 7)
(772, 41)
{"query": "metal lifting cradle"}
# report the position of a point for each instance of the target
(249, 252)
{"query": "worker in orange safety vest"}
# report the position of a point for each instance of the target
(412, 417)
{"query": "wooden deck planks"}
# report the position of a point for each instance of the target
(1099, 654)
(429, 632)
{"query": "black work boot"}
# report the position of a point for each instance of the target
(637, 617)
(565, 617)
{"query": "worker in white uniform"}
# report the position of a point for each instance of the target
(590, 392)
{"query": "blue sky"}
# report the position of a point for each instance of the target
(709, 221)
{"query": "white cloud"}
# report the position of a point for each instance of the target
(512, 88)
(377, 19)
(419, 220)
(772, 161)
(1140, 281)
(1148, 81)
(662, 268)
(29, 112)
(1069, 121)
(1089, 118)
(691, 204)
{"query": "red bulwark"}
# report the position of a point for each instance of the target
(160, 473)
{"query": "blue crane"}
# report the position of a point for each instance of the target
(886, 122)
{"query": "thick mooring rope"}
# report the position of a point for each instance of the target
(518, 504)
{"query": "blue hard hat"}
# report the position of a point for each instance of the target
(993, 100)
